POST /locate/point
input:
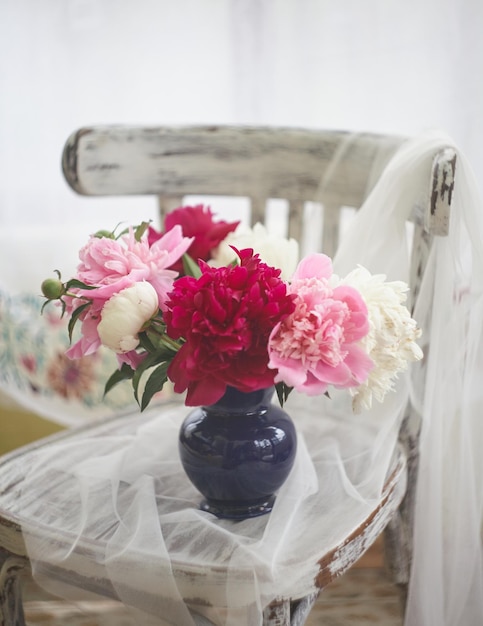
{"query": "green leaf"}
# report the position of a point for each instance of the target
(75, 317)
(190, 267)
(171, 345)
(161, 346)
(49, 302)
(104, 234)
(74, 282)
(154, 384)
(148, 362)
(283, 392)
(146, 341)
(140, 230)
(44, 305)
(165, 353)
(124, 373)
(119, 235)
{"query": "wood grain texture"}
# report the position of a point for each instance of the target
(221, 160)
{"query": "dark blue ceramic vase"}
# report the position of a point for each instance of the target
(238, 452)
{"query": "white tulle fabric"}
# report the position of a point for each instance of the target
(132, 516)
(446, 586)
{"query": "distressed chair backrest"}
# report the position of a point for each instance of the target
(334, 168)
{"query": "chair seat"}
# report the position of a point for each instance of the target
(197, 584)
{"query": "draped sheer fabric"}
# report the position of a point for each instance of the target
(446, 580)
(128, 492)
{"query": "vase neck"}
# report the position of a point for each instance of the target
(236, 401)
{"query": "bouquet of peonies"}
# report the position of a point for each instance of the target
(195, 305)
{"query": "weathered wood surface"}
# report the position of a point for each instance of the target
(442, 186)
(236, 161)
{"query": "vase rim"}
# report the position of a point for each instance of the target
(235, 399)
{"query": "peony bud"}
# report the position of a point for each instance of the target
(124, 315)
(53, 288)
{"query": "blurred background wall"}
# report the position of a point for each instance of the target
(398, 66)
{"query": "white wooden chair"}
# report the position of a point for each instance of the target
(259, 164)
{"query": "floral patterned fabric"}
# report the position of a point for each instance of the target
(35, 372)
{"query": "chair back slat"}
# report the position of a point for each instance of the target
(258, 210)
(295, 219)
(167, 204)
(252, 162)
(331, 228)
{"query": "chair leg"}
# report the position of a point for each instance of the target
(285, 613)
(397, 550)
(277, 613)
(398, 535)
(11, 609)
(302, 609)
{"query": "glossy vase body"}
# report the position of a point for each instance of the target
(238, 452)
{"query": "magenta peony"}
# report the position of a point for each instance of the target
(317, 345)
(197, 222)
(226, 317)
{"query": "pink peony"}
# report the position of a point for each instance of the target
(114, 265)
(316, 346)
(226, 317)
(197, 222)
(89, 341)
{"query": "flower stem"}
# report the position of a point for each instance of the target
(172, 344)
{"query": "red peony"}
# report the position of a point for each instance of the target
(226, 317)
(196, 221)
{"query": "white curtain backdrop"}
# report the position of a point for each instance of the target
(395, 66)
(379, 65)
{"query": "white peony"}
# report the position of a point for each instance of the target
(124, 315)
(273, 250)
(391, 341)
